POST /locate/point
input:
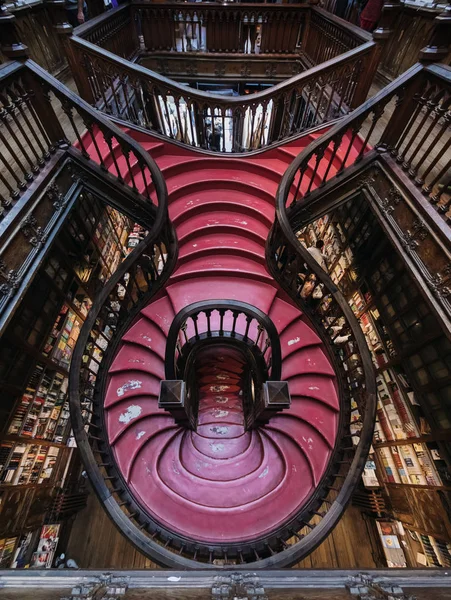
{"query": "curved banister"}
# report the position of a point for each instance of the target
(217, 100)
(186, 329)
(28, 99)
(335, 139)
(92, 118)
(393, 122)
(223, 322)
(137, 95)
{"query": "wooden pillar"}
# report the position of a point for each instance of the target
(10, 44)
(381, 34)
(440, 41)
(58, 13)
(385, 27)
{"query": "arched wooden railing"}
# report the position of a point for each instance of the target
(220, 320)
(225, 322)
(338, 80)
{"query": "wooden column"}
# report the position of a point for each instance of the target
(57, 10)
(385, 28)
(440, 41)
(10, 44)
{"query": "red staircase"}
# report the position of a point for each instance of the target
(221, 484)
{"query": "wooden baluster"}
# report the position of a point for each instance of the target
(378, 111)
(441, 111)
(189, 108)
(183, 329)
(168, 119)
(177, 100)
(196, 328)
(248, 324)
(20, 99)
(310, 87)
(14, 157)
(222, 312)
(108, 137)
(235, 317)
(7, 114)
(428, 188)
(126, 153)
(208, 315)
(29, 101)
(336, 144)
(129, 109)
(67, 108)
(13, 193)
(319, 157)
(409, 104)
(143, 167)
(427, 103)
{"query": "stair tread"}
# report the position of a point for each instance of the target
(221, 482)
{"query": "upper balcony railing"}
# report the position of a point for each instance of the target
(409, 120)
(341, 61)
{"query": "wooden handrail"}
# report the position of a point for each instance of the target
(134, 94)
(418, 104)
(222, 322)
(217, 327)
(34, 132)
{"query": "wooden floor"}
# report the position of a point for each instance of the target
(95, 543)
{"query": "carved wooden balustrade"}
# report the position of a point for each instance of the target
(338, 80)
(44, 159)
(226, 322)
(409, 121)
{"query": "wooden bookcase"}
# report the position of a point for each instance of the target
(35, 355)
(412, 362)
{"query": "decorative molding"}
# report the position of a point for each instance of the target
(55, 194)
(191, 68)
(220, 69)
(33, 233)
(363, 587)
(12, 280)
(271, 70)
(393, 197)
(246, 71)
(411, 238)
(438, 287)
(107, 587)
(238, 586)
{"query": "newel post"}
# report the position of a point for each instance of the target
(440, 41)
(58, 15)
(10, 43)
(383, 31)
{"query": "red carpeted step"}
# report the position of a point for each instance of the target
(221, 483)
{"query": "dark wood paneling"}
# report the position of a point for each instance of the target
(35, 29)
(221, 68)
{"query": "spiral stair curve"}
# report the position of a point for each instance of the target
(221, 485)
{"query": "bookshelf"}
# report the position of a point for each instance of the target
(36, 349)
(410, 353)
